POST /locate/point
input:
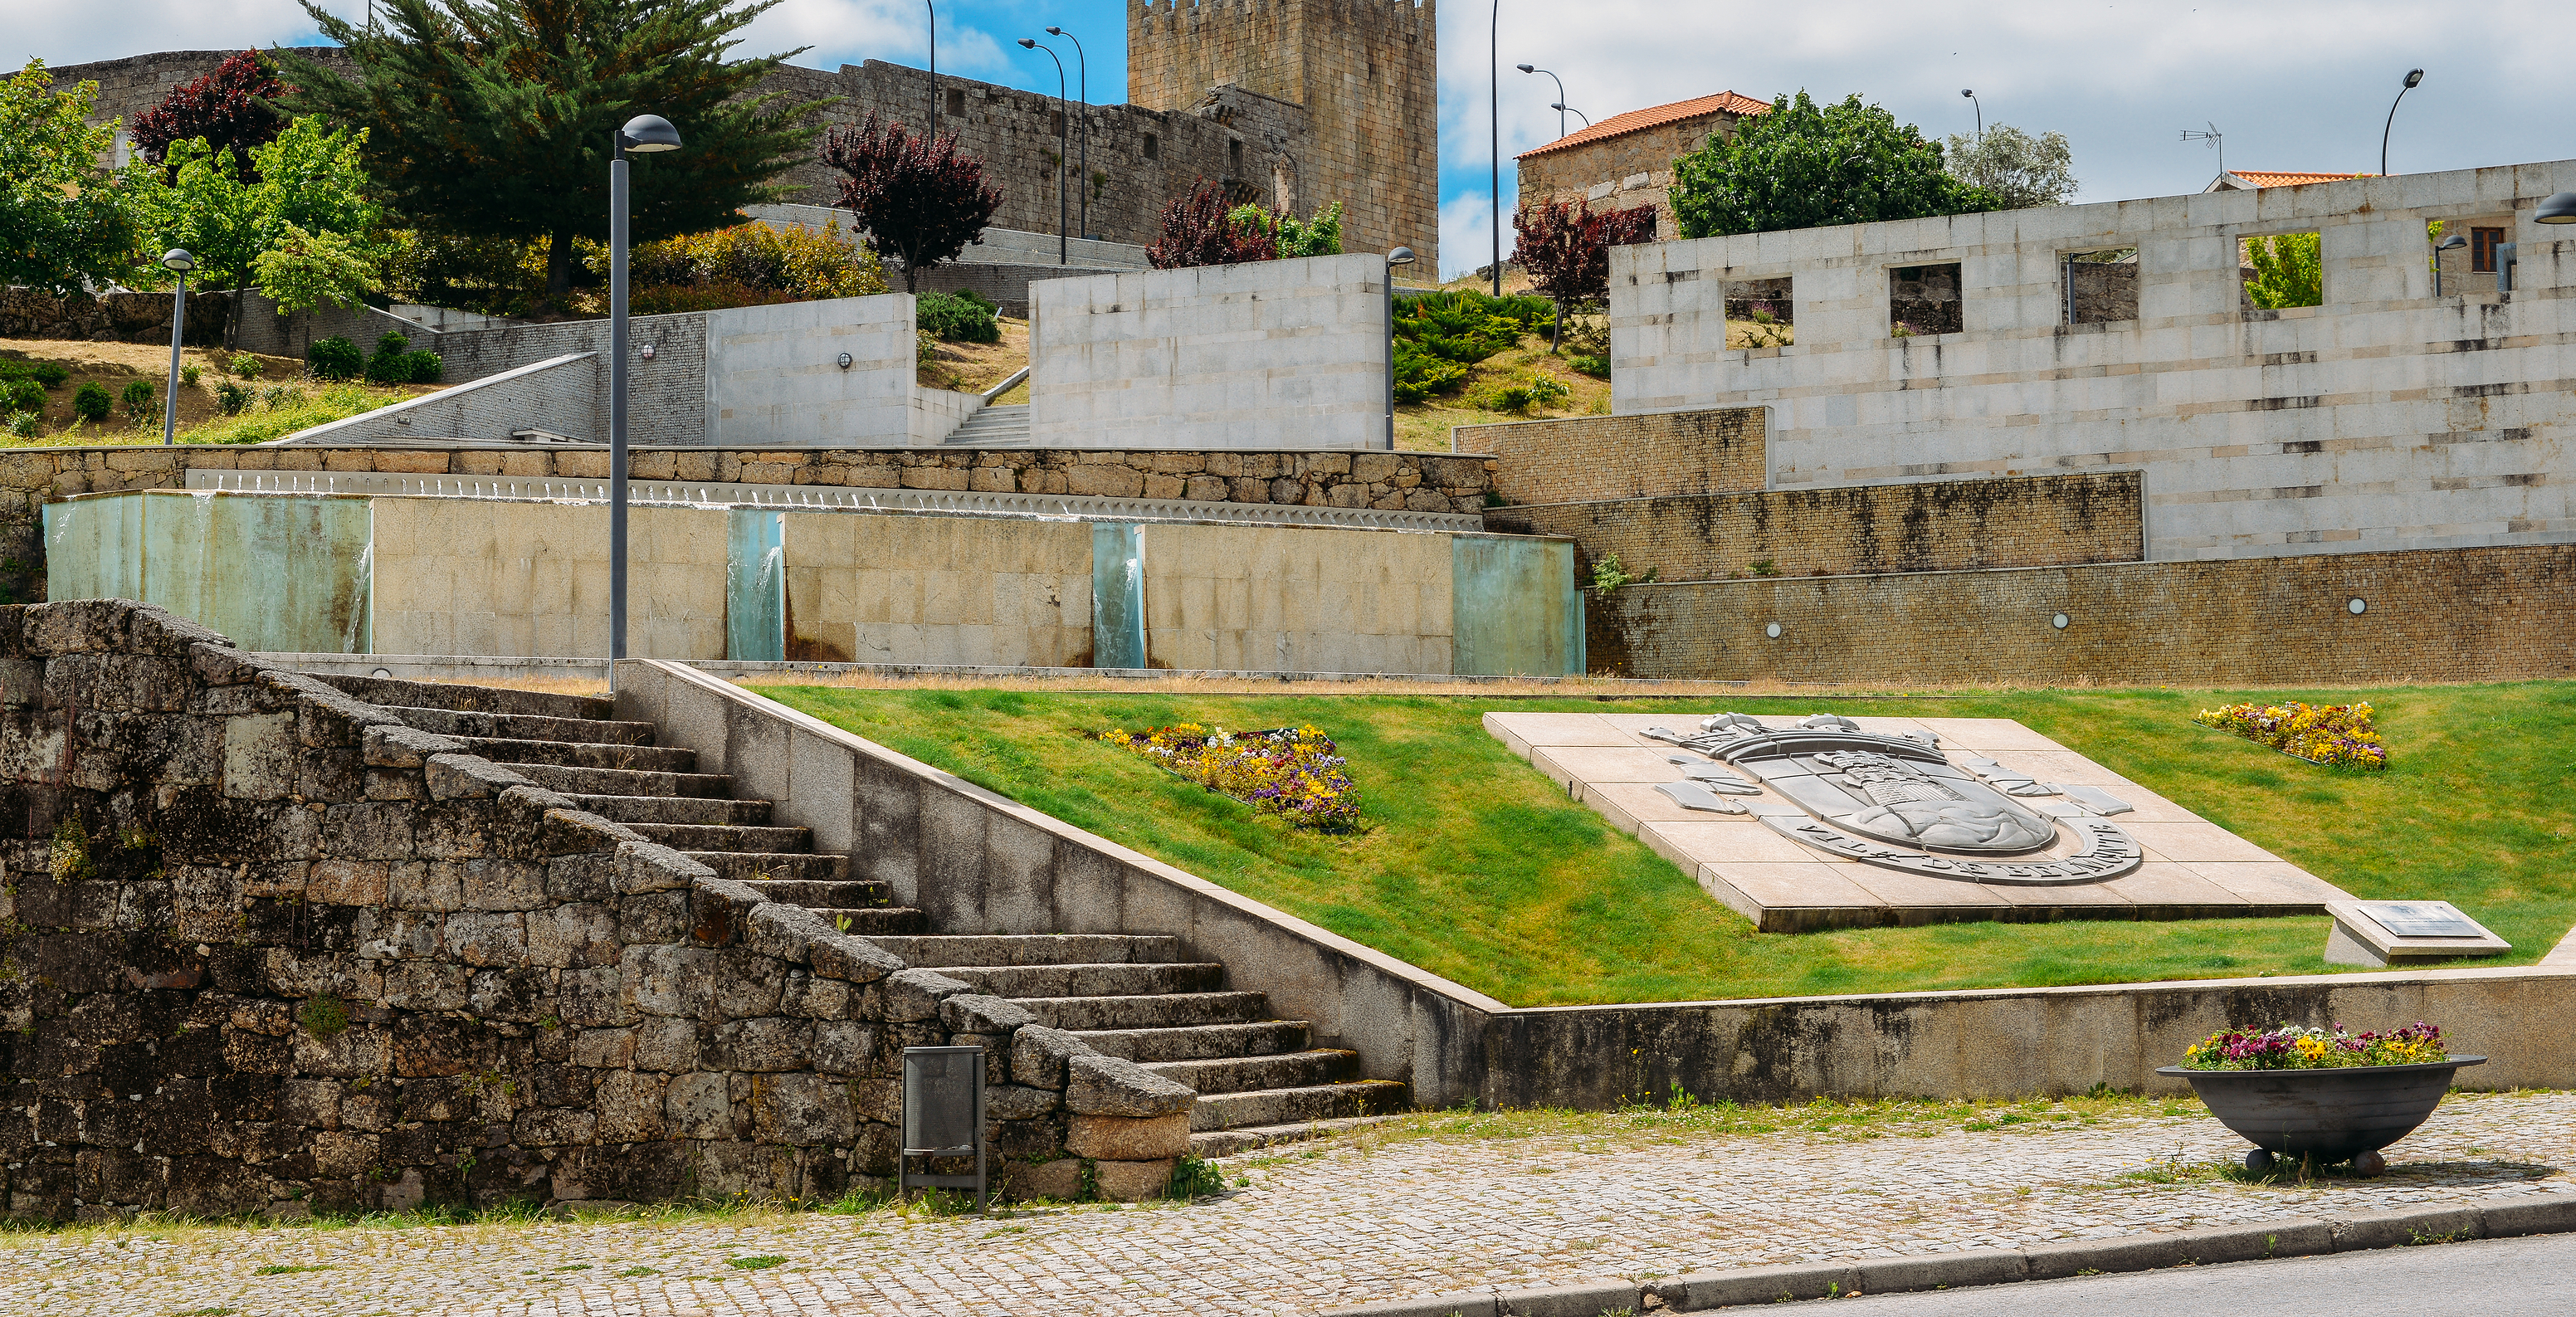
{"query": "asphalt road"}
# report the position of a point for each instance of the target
(2534, 1275)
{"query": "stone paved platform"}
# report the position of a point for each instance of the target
(2193, 869)
(1328, 1225)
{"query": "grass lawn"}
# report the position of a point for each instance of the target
(1476, 868)
(285, 401)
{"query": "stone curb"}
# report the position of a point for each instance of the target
(2535, 1214)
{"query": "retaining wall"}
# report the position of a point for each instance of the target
(123, 317)
(269, 950)
(1583, 459)
(554, 396)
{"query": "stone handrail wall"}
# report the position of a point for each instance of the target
(269, 950)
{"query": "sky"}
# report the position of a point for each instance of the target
(2291, 84)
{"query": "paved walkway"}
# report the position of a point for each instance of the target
(1340, 1223)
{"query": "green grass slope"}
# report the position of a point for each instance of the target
(1478, 869)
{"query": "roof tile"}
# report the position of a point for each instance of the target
(1638, 121)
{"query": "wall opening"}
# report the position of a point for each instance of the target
(1055, 122)
(1153, 147)
(1234, 154)
(1760, 313)
(1923, 299)
(2100, 286)
(2280, 271)
(956, 104)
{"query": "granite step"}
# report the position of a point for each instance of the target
(1035, 949)
(392, 692)
(827, 893)
(1245, 1074)
(1284, 1106)
(1201, 1042)
(883, 921)
(1018, 981)
(701, 810)
(772, 866)
(578, 754)
(624, 781)
(726, 837)
(1163, 1011)
(1252, 1138)
(524, 726)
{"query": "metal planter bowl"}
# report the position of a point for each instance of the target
(2329, 1115)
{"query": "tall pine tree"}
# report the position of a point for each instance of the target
(491, 118)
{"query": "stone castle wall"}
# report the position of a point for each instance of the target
(1365, 71)
(269, 950)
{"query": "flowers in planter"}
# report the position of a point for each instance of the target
(1291, 772)
(2290, 1047)
(2318, 733)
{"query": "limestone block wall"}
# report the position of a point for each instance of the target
(773, 374)
(1945, 525)
(946, 590)
(268, 950)
(1294, 599)
(1579, 459)
(2491, 614)
(2384, 419)
(1277, 354)
(484, 576)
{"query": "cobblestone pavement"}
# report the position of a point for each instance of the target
(1318, 1226)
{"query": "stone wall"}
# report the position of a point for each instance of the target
(124, 317)
(1943, 525)
(2489, 614)
(1616, 173)
(271, 951)
(1580, 459)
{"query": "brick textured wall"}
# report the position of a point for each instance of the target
(1935, 526)
(1583, 458)
(2486, 614)
(299, 957)
(1364, 70)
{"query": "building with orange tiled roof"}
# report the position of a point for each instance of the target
(2247, 180)
(1626, 160)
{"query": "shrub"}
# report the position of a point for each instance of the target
(91, 402)
(1418, 374)
(392, 362)
(334, 359)
(1596, 367)
(1536, 391)
(188, 376)
(746, 265)
(423, 366)
(137, 397)
(22, 396)
(23, 424)
(959, 317)
(246, 365)
(231, 398)
(45, 373)
(1466, 326)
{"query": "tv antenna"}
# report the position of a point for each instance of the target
(2213, 137)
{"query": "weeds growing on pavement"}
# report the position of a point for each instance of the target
(1685, 1117)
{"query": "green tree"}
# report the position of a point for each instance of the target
(491, 118)
(309, 179)
(65, 224)
(1805, 165)
(1320, 236)
(2018, 169)
(301, 270)
(2288, 271)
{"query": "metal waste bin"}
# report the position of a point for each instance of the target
(943, 1116)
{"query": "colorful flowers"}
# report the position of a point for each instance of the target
(2318, 733)
(1291, 772)
(2290, 1047)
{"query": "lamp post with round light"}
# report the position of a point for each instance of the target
(178, 262)
(645, 133)
(1401, 256)
(1082, 97)
(1031, 43)
(1560, 95)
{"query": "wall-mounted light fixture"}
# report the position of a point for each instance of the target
(2058, 620)
(847, 361)
(2357, 606)
(646, 352)
(1773, 630)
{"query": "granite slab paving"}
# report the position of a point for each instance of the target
(1342, 1222)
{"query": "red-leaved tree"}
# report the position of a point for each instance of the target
(1566, 247)
(227, 107)
(921, 202)
(1200, 229)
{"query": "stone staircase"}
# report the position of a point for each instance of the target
(993, 427)
(1260, 1080)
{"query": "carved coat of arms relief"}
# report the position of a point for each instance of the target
(1897, 802)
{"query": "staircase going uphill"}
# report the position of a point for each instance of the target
(993, 427)
(1260, 1080)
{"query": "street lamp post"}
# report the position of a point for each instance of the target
(1559, 107)
(1400, 256)
(1494, 111)
(1082, 96)
(1971, 94)
(178, 262)
(1562, 108)
(933, 7)
(644, 133)
(1031, 43)
(2413, 77)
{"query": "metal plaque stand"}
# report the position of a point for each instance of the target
(943, 1116)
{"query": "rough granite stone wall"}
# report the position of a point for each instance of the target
(1945, 525)
(2485, 614)
(125, 317)
(266, 950)
(1581, 459)
(1632, 169)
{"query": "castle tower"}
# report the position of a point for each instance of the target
(1363, 70)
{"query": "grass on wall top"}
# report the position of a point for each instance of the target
(1476, 868)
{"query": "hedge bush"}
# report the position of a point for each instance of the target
(91, 402)
(334, 359)
(959, 317)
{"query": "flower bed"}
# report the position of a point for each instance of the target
(2318, 733)
(1292, 772)
(2290, 1047)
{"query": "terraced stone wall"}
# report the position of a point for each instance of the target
(265, 949)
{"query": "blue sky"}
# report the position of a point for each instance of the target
(2293, 84)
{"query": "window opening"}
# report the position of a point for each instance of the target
(1923, 299)
(1153, 147)
(957, 104)
(2100, 286)
(2281, 271)
(1234, 154)
(1055, 121)
(1760, 313)
(2482, 249)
